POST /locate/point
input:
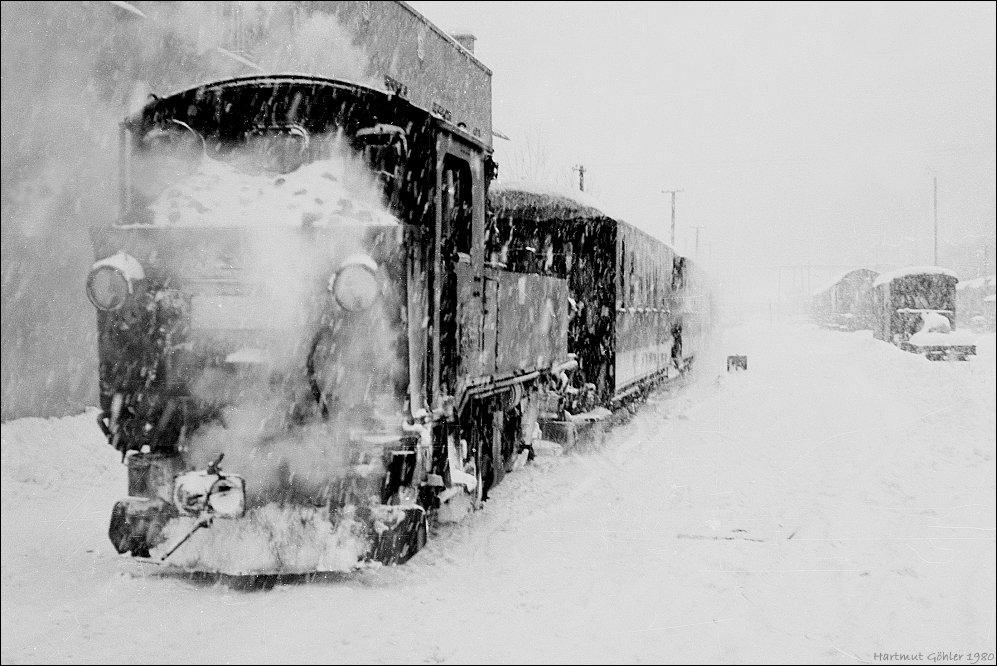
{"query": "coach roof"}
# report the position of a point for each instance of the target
(890, 276)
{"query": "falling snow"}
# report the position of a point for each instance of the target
(807, 493)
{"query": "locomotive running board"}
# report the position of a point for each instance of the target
(491, 387)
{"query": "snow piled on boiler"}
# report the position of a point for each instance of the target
(323, 193)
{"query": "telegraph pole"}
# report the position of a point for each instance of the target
(935, 182)
(673, 193)
(697, 228)
(581, 176)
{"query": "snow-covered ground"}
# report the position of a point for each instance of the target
(833, 502)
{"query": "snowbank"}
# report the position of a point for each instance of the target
(49, 457)
(952, 338)
(833, 502)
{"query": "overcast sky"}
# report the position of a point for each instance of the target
(797, 132)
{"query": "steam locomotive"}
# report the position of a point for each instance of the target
(316, 336)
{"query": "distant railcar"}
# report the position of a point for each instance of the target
(847, 303)
(975, 303)
(916, 310)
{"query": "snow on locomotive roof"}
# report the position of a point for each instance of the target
(555, 201)
(890, 276)
(218, 194)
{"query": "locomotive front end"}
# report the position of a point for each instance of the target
(252, 305)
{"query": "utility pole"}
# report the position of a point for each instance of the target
(697, 228)
(581, 176)
(985, 269)
(935, 180)
(673, 193)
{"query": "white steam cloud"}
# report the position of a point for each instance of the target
(299, 226)
(71, 71)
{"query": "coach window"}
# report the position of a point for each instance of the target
(568, 255)
(457, 204)
(273, 150)
(498, 238)
(633, 279)
(622, 272)
(455, 246)
(385, 148)
(546, 255)
(678, 273)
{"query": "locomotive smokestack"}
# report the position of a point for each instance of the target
(465, 39)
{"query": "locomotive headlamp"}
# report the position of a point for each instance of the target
(355, 284)
(112, 281)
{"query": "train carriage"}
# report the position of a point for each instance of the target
(640, 311)
(847, 302)
(916, 310)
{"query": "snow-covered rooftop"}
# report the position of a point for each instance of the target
(839, 277)
(890, 276)
(557, 201)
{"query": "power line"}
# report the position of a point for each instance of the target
(935, 202)
(581, 176)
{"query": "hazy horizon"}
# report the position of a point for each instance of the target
(798, 133)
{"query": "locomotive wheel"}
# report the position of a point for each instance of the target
(414, 539)
(421, 535)
(482, 456)
(480, 495)
(398, 544)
